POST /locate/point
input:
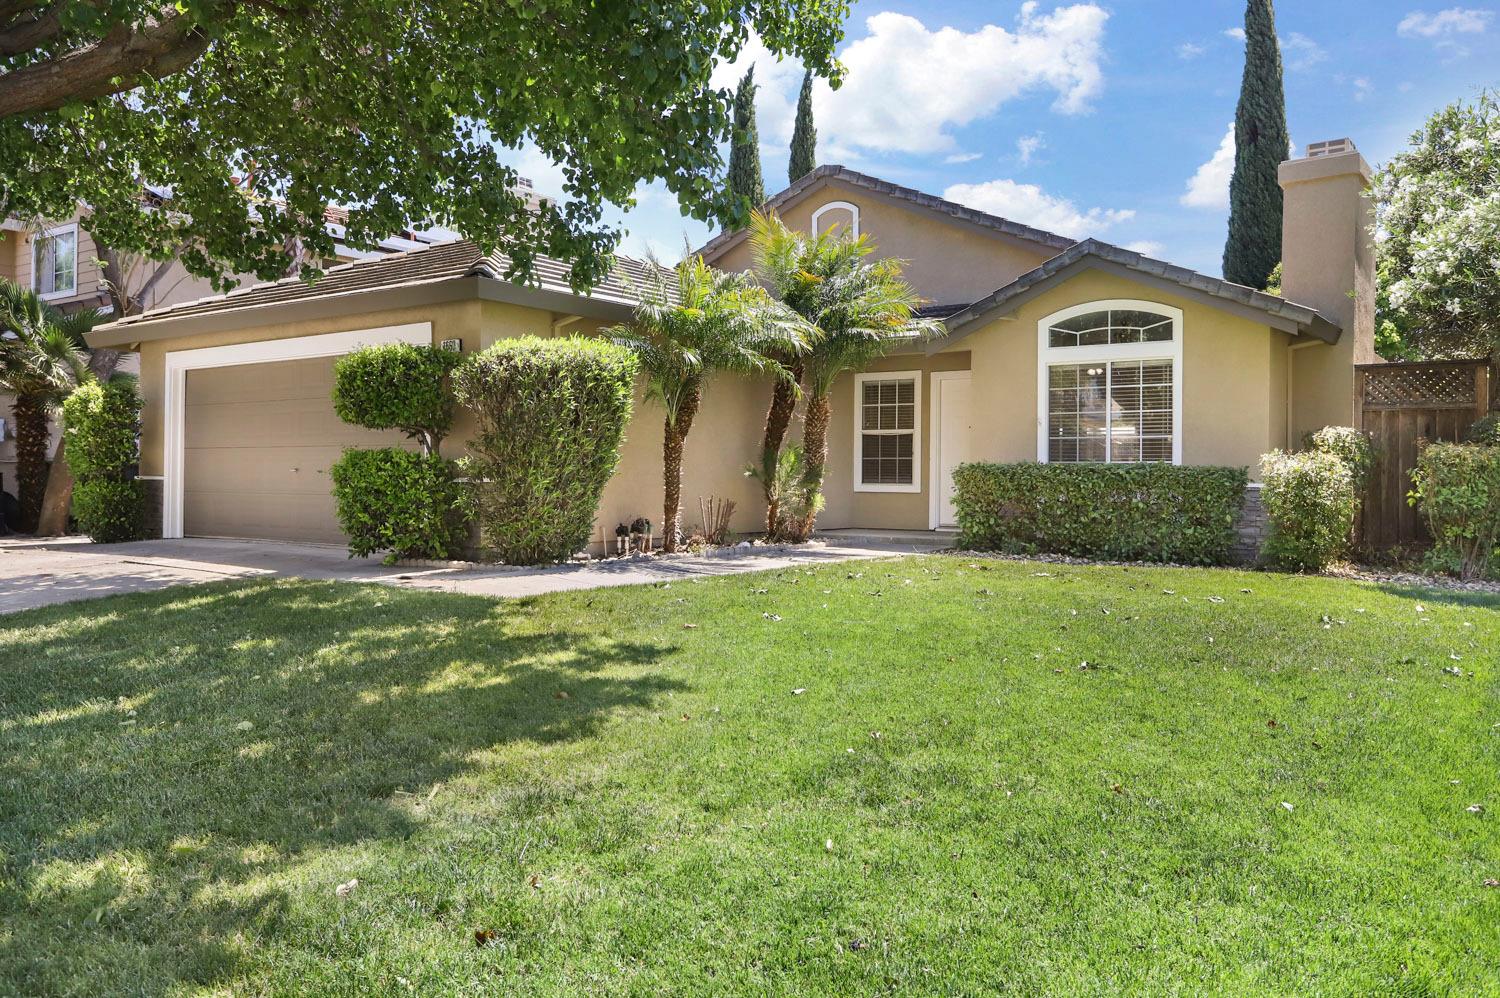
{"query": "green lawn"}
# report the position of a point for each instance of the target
(1258, 784)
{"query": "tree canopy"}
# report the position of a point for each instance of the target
(1438, 252)
(1253, 247)
(244, 119)
(745, 182)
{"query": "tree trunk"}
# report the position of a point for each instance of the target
(674, 435)
(778, 421)
(57, 499)
(31, 458)
(814, 455)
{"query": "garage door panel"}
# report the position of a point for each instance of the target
(258, 442)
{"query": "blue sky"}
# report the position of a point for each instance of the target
(1095, 119)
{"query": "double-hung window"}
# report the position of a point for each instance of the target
(54, 271)
(887, 427)
(1109, 383)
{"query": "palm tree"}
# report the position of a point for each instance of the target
(860, 309)
(695, 321)
(42, 358)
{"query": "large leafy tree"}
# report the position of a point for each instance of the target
(42, 359)
(691, 324)
(1438, 258)
(860, 308)
(1253, 248)
(804, 135)
(241, 121)
(745, 183)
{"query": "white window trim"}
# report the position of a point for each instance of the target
(179, 362)
(56, 230)
(852, 209)
(916, 429)
(935, 487)
(1049, 356)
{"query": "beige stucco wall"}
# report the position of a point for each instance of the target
(947, 261)
(1233, 377)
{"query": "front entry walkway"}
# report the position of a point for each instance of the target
(41, 573)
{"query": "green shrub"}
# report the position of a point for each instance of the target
(110, 510)
(1118, 512)
(1485, 432)
(398, 501)
(1350, 445)
(101, 422)
(397, 386)
(1310, 502)
(1457, 488)
(551, 415)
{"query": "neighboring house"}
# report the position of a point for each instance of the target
(60, 261)
(1056, 351)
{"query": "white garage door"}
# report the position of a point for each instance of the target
(258, 441)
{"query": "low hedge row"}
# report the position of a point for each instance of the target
(1116, 512)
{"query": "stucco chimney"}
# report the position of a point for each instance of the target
(1328, 262)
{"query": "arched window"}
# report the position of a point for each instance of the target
(1109, 383)
(840, 214)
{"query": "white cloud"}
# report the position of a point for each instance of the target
(962, 157)
(907, 86)
(1190, 50)
(1030, 205)
(1209, 186)
(777, 80)
(1146, 247)
(1453, 21)
(1238, 34)
(1300, 52)
(1027, 146)
(1363, 88)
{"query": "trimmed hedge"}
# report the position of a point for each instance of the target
(1311, 502)
(398, 501)
(397, 386)
(1457, 488)
(101, 423)
(1115, 512)
(551, 415)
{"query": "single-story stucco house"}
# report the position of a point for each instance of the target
(1056, 350)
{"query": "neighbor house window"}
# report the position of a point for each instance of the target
(888, 420)
(55, 262)
(1109, 383)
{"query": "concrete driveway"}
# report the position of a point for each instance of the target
(40, 573)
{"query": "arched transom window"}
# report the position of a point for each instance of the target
(1109, 383)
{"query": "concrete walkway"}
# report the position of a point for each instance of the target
(40, 573)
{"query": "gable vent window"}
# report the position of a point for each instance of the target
(888, 420)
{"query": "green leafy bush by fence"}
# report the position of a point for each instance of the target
(1485, 432)
(1457, 489)
(397, 386)
(101, 423)
(551, 415)
(398, 501)
(1350, 445)
(1311, 502)
(1118, 512)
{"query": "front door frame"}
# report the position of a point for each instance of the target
(935, 474)
(179, 362)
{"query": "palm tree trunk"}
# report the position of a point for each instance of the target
(778, 421)
(815, 455)
(31, 458)
(674, 436)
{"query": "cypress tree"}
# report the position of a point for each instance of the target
(804, 135)
(1253, 248)
(744, 146)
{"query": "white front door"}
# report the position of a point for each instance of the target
(950, 402)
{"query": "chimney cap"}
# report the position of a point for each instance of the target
(1329, 147)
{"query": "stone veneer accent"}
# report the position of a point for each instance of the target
(154, 493)
(1251, 527)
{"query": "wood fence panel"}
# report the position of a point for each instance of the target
(1403, 407)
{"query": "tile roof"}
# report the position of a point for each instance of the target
(424, 265)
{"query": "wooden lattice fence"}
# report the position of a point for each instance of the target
(1403, 405)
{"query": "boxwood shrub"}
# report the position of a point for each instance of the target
(101, 423)
(393, 500)
(551, 414)
(1457, 489)
(1311, 502)
(1116, 512)
(397, 386)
